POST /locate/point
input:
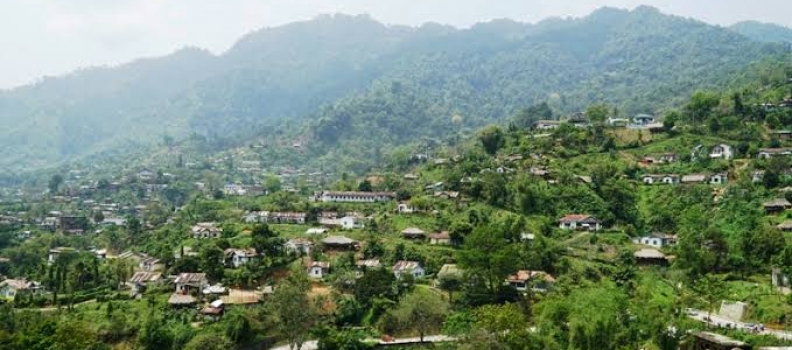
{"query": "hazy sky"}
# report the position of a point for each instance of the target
(52, 37)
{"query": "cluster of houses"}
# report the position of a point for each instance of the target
(673, 179)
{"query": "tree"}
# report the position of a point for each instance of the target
(155, 335)
(422, 311)
(209, 341)
(711, 289)
(375, 283)
(528, 116)
(598, 113)
(488, 256)
(365, 186)
(492, 139)
(292, 310)
(212, 262)
(700, 106)
(450, 281)
(54, 183)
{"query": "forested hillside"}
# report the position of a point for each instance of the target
(766, 32)
(366, 87)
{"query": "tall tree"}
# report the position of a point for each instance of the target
(293, 311)
(54, 183)
(422, 311)
(492, 139)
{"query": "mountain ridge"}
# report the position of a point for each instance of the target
(303, 70)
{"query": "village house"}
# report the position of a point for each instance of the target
(356, 197)
(410, 177)
(783, 135)
(446, 195)
(276, 217)
(766, 153)
(403, 267)
(72, 224)
(694, 179)
(539, 281)
(190, 283)
(667, 157)
(657, 240)
(546, 124)
(55, 252)
(580, 222)
(719, 179)
(318, 269)
(206, 230)
(650, 256)
(721, 151)
(237, 257)
(785, 226)
(668, 179)
(299, 246)
(11, 287)
(405, 208)
(143, 261)
(413, 233)
(643, 119)
(435, 187)
(49, 223)
(339, 243)
(142, 280)
(349, 222)
(440, 238)
(365, 264)
(617, 122)
(776, 206)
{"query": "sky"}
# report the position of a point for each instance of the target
(53, 37)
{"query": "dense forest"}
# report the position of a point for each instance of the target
(341, 82)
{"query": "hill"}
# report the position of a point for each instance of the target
(764, 32)
(354, 78)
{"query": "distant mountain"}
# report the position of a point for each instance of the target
(764, 32)
(363, 84)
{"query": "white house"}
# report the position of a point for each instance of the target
(238, 257)
(721, 151)
(580, 222)
(299, 246)
(405, 208)
(413, 268)
(666, 179)
(350, 222)
(657, 240)
(11, 287)
(318, 269)
(719, 179)
(766, 153)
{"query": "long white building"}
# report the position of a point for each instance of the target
(355, 197)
